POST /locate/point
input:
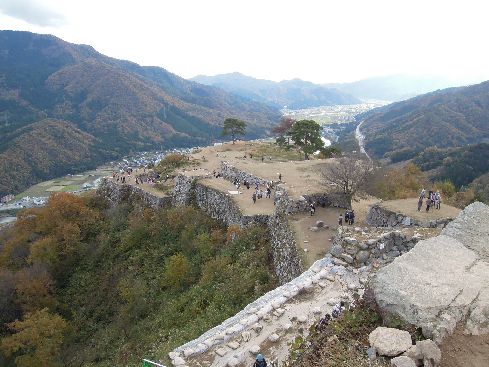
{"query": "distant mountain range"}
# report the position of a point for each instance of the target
(447, 118)
(394, 87)
(66, 107)
(294, 94)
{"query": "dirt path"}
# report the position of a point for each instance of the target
(459, 350)
(315, 244)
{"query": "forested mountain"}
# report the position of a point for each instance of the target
(448, 118)
(294, 93)
(59, 99)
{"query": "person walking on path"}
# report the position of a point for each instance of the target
(438, 200)
(422, 194)
(352, 218)
(254, 197)
(280, 177)
(312, 209)
(420, 203)
(260, 361)
(340, 220)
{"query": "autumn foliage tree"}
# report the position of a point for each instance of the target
(36, 341)
(283, 129)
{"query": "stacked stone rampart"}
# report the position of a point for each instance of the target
(385, 247)
(116, 194)
(379, 216)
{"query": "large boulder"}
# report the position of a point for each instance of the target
(402, 361)
(443, 280)
(389, 342)
(471, 228)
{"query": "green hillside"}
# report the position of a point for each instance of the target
(447, 118)
(117, 104)
(107, 286)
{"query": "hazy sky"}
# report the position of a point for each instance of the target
(317, 40)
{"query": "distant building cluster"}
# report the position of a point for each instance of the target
(5, 199)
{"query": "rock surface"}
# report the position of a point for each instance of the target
(402, 361)
(389, 341)
(443, 280)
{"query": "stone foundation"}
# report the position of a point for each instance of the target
(379, 216)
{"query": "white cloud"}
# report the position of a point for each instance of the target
(32, 11)
(321, 41)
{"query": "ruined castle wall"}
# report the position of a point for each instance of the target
(118, 193)
(379, 216)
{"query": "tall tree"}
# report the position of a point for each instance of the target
(233, 127)
(307, 135)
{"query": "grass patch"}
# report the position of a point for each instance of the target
(277, 153)
(343, 342)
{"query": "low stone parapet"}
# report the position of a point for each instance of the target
(379, 216)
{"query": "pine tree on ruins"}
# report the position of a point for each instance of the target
(233, 127)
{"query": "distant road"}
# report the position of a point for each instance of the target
(361, 139)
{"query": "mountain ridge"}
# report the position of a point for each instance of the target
(294, 93)
(120, 104)
(447, 118)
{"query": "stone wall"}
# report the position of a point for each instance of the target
(347, 249)
(182, 190)
(322, 271)
(379, 216)
(118, 193)
(232, 173)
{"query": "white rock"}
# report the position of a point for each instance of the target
(254, 349)
(201, 348)
(277, 302)
(257, 328)
(173, 355)
(389, 341)
(323, 274)
(279, 312)
(233, 362)
(333, 301)
(287, 326)
(402, 361)
(316, 310)
(210, 342)
(246, 336)
(233, 345)
(220, 336)
(178, 361)
(221, 352)
(302, 318)
(252, 310)
(330, 278)
(273, 337)
(188, 352)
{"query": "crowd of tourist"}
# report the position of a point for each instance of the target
(433, 199)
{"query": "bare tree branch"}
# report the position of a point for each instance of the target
(349, 174)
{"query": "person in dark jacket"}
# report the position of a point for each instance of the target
(260, 361)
